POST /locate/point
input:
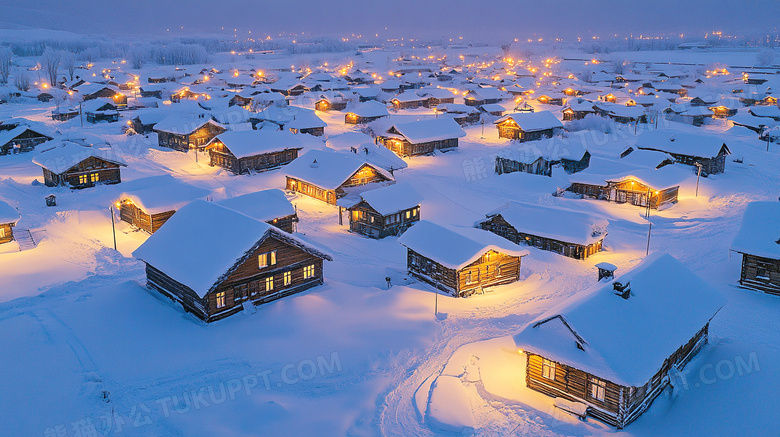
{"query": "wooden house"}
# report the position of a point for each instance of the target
(366, 112)
(148, 203)
(408, 100)
(363, 145)
(95, 91)
(695, 149)
(188, 131)
(460, 261)
(296, 119)
(433, 97)
(641, 187)
(528, 126)
(462, 114)
(100, 110)
(758, 242)
(333, 101)
(569, 233)
(610, 350)
(77, 166)
(493, 109)
(524, 159)
(9, 216)
(20, 139)
(144, 122)
(557, 99)
(153, 90)
(218, 274)
(270, 206)
(328, 176)
(385, 211)
(252, 150)
(422, 137)
(482, 96)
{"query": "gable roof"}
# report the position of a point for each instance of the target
(201, 263)
(428, 130)
(60, 157)
(163, 193)
(10, 135)
(625, 341)
(533, 121)
(554, 223)
(676, 142)
(328, 169)
(455, 247)
(393, 198)
(186, 123)
(264, 205)
(254, 142)
(8, 214)
(760, 231)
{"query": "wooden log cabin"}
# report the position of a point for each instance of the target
(270, 206)
(366, 112)
(528, 126)
(9, 216)
(185, 132)
(613, 348)
(524, 159)
(409, 100)
(148, 203)
(77, 166)
(327, 176)
(694, 149)
(385, 211)
(569, 233)
(632, 189)
(578, 110)
(246, 151)
(460, 261)
(19, 138)
(422, 137)
(482, 96)
(218, 274)
(758, 240)
(94, 91)
(334, 101)
(433, 97)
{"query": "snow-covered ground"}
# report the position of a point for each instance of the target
(86, 344)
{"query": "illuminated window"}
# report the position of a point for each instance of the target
(2, 232)
(83, 179)
(221, 299)
(308, 272)
(266, 259)
(269, 283)
(408, 215)
(598, 389)
(468, 278)
(94, 177)
(287, 278)
(548, 370)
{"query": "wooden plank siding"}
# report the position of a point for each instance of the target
(491, 269)
(87, 173)
(509, 129)
(221, 156)
(621, 404)
(632, 192)
(184, 142)
(365, 220)
(762, 274)
(403, 147)
(362, 176)
(6, 232)
(501, 227)
(130, 213)
(26, 142)
(246, 281)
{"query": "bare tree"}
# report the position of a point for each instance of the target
(69, 62)
(50, 62)
(22, 80)
(5, 64)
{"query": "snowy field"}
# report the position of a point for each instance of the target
(86, 345)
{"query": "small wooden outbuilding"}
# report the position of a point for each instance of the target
(385, 211)
(79, 166)
(758, 240)
(528, 126)
(251, 150)
(9, 216)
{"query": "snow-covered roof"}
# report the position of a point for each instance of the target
(290, 117)
(328, 169)
(370, 108)
(199, 263)
(626, 341)
(486, 93)
(9, 135)
(254, 142)
(158, 194)
(393, 198)
(184, 123)
(8, 214)
(61, 156)
(673, 141)
(428, 130)
(264, 205)
(760, 231)
(455, 247)
(554, 223)
(533, 121)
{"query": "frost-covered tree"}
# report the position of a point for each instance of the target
(69, 62)
(21, 80)
(5, 64)
(138, 57)
(765, 57)
(50, 63)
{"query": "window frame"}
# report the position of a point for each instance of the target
(308, 271)
(269, 283)
(548, 369)
(287, 278)
(597, 387)
(221, 299)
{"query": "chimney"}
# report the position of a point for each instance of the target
(314, 164)
(621, 290)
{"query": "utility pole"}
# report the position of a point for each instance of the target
(113, 227)
(647, 251)
(81, 115)
(436, 303)
(647, 202)
(698, 175)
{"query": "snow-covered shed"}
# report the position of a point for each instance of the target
(528, 126)
(327, 175)
(253, 150)
(570, 233)
(270, 206)
(21, 138)
(422, 137)
(460, 260)
(68, 163)
(758, 240)
(707, 150)
(9, 216)
(365, 112)
(385, 211)
(214, 275)
(615, 346)
(185, 131)
(148, 203)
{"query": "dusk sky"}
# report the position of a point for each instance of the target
(502, 18)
